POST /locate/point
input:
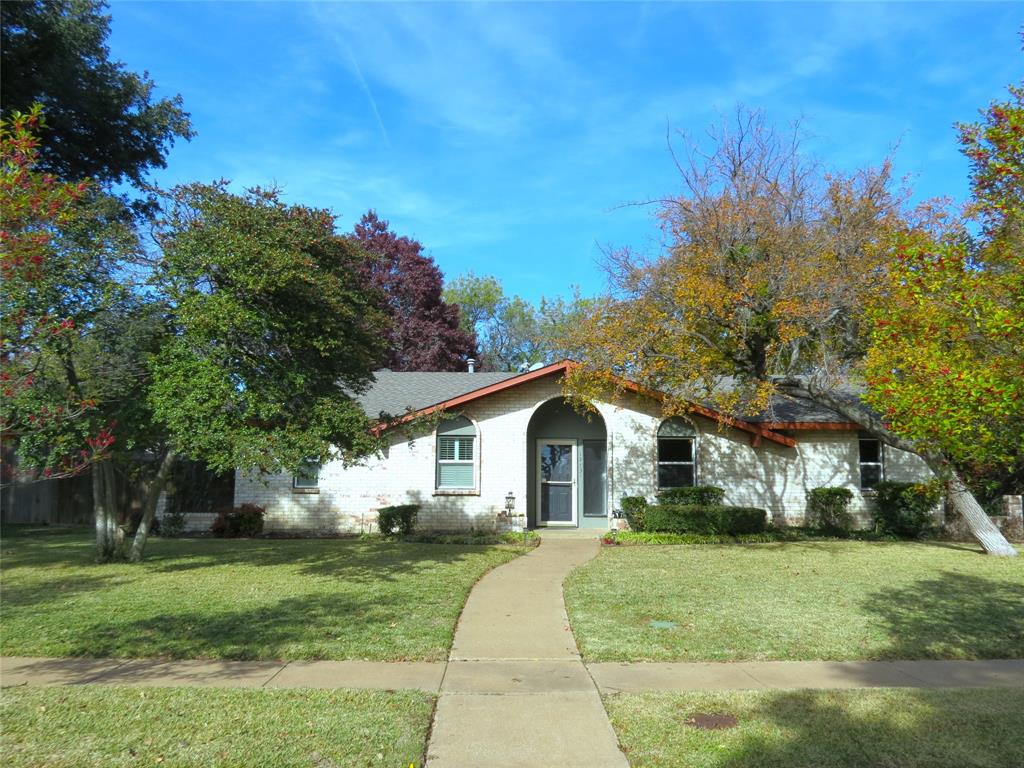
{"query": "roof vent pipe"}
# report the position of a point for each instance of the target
(471, 365)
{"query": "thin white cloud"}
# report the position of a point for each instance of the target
(369, 93)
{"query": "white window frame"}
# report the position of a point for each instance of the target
(460, 442)
(692, 439)
(861, 463)
(473, 440)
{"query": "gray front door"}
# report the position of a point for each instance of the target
(556, 482)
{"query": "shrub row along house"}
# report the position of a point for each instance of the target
(508, 439)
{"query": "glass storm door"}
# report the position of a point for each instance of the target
(556, 482)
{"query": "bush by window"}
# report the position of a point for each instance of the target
(456, 453)
(400, 519)
(828, 510)
(905, 509)
(703, 495)
(710, 519)
(633, 509)
(246, 520)
(677, 466)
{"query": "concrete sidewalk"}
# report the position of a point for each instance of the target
(424, 676)
(642, 677)
(512, 676)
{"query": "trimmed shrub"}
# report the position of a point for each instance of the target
(171, 525)
(828, 510)
(634, 509)
(699, 495)
(246, 520)
(741, 520)
(710, 520)
(400, 519)
(680, 518)
(905, 509)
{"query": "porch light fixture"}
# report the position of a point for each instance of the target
(510, 503)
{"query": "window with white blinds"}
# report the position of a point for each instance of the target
(456, 449)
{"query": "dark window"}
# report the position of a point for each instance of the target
(675, 475)
(676, 464)
(308, 475)
(871, 466)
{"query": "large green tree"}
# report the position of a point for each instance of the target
(244, 348)
(274, 330)
(763, 290)
(946, 360)
(103, 121)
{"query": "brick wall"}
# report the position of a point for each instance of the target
(772, 476)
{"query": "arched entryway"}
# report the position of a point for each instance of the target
(567, 467)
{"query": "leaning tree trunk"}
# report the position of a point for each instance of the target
(156, 487)
(981, 525)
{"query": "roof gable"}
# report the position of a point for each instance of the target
(420, 388)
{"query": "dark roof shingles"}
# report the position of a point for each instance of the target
(395, 392)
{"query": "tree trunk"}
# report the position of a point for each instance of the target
(156, 487)
(113, 524)
(103, 513)
(982, 527)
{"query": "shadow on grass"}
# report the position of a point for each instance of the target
(355, 560)
(861, 729)
(236, 599)
(39, 593)
(952, 616)
(293, 628)
(959, 546)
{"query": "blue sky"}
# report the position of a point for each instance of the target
(509, 137)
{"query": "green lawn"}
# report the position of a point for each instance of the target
(105, 726)
(236, 599)
(806, 600)
(870, 728)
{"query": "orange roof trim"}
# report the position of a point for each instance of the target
(808, 425)
(758, 431)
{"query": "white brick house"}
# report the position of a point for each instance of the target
(497, 425)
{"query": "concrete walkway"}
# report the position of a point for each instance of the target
(516, 692)
(424, 676)
(610, 677)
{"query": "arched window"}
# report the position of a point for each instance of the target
(456, 453)
(677, 466)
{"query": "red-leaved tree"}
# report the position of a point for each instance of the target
(425, 333)
(34, 205)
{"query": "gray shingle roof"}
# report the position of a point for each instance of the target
(395, 392)
(785, 409)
